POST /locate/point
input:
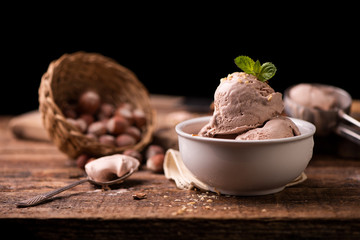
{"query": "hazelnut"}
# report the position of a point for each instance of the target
(88, 118)
(134, 132)
(81, 160)
(116, 125)
(92, 136)
(133, 153)
(155, 163)
(126, 113)
(98, 128)
(106, 111)
(79, 124)
(153, 150)
(126, 105)
(70, 111)
(104, 121)
(125, 140)
(139, 117)
(89, 102)
(107, 139)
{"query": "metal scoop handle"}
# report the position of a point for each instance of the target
(346, 131)
(45, 196)
(348, 118)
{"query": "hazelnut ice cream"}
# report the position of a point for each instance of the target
(241, 103)
(278, 127)
(110, 167)
(313, 96)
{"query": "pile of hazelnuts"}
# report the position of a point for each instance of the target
(116, 126)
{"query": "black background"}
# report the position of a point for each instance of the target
(180, 51)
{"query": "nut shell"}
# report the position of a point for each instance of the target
(125, 140)
(97, 128)
(116, 125)
(153, 150)
(155, 163)
(89, 102)
(63, 83)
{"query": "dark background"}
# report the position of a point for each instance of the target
(183, 52)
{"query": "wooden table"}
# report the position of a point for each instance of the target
(326, 205)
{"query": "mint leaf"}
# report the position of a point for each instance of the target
(245, 63)
(262, 72)
(268, 70)
(257, 67)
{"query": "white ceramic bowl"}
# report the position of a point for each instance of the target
(245, 167)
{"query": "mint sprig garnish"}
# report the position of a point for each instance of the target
(262, 72)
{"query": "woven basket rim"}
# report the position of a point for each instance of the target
(69, 139)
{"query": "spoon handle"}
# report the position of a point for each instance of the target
(43, 197)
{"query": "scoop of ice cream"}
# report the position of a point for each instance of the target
(241, 102)
(313, 96)
(278, 127)
(107, 168)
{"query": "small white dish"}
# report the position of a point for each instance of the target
(245, 167)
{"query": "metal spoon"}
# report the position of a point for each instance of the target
(45, 196)
(327, 121)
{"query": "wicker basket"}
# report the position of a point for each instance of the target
(67, 77)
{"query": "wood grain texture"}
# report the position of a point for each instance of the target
(326, 205)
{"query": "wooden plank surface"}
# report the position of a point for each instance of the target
(326, 205)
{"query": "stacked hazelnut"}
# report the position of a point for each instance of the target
(117, 126)
(112, 125)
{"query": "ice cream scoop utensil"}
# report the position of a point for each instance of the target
(348, 118)
(346, 132)
(45, 196)
(326, 121)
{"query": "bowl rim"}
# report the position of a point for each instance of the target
(178, 128)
